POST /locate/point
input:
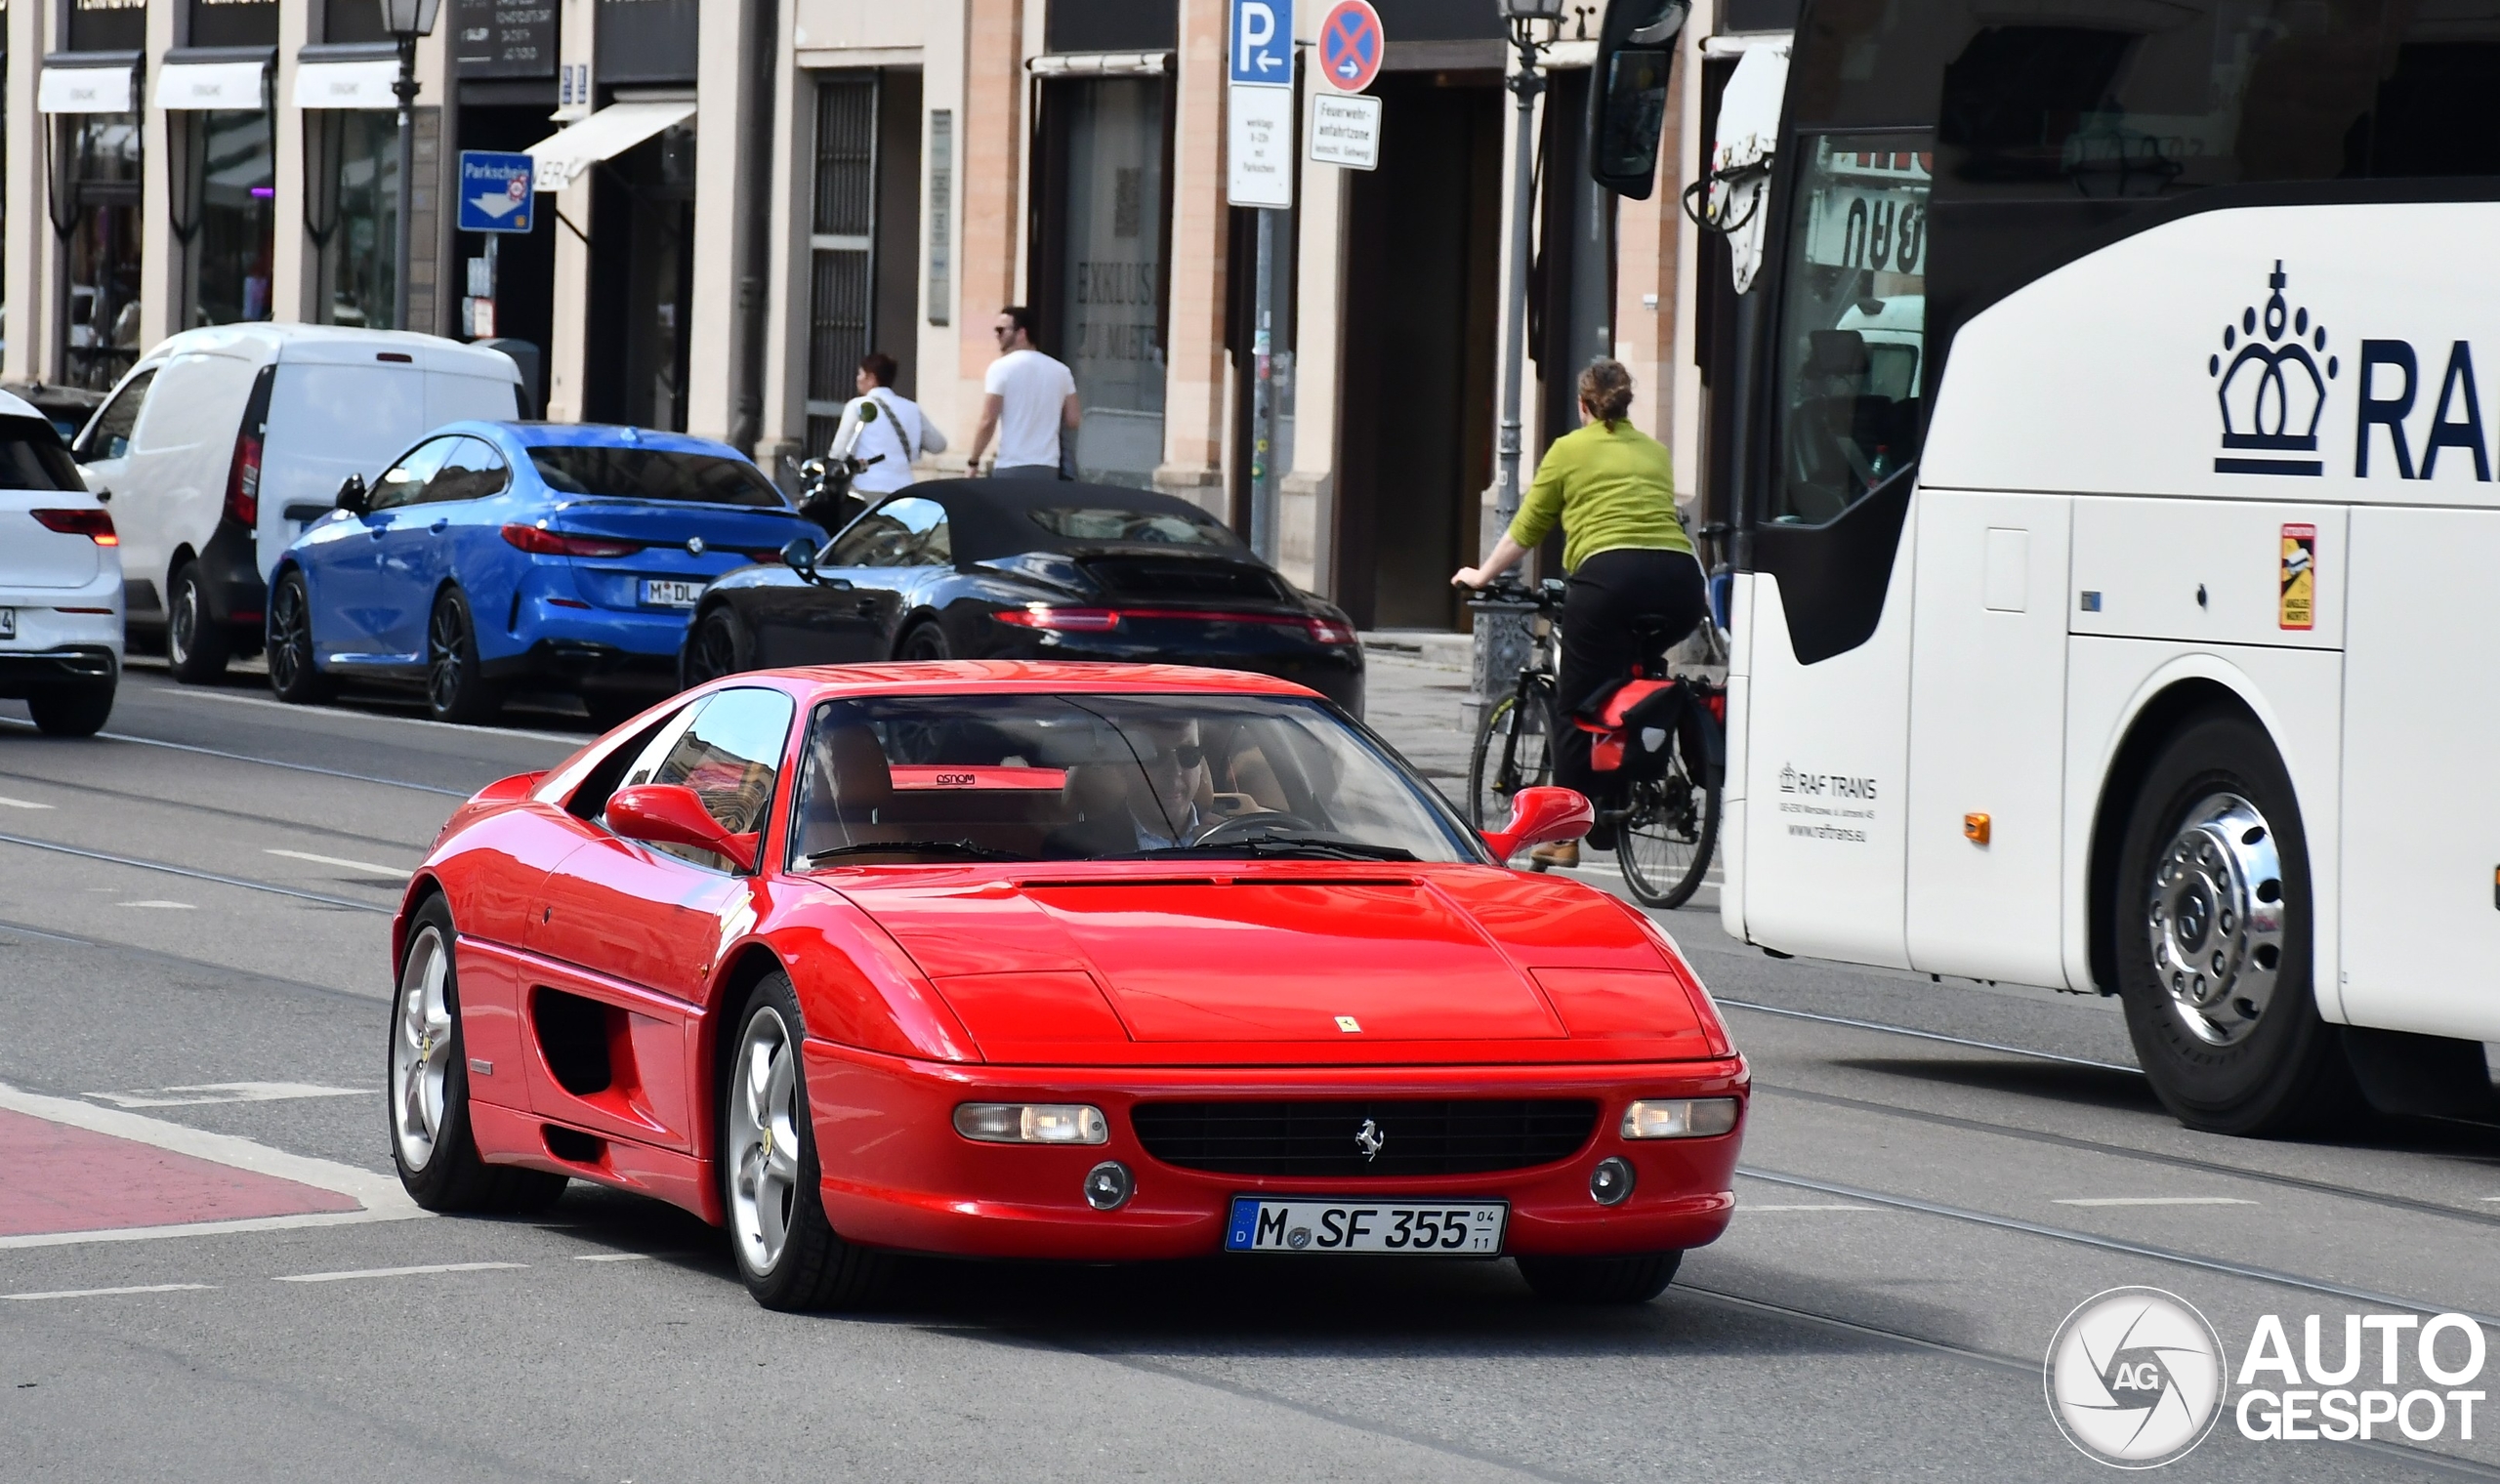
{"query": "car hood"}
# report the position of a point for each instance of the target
(1265, 963)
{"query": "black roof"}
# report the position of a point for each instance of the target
(989, 519)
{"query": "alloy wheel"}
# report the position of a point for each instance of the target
(446, 671)
(421, 1050)
(763, 1139)
(182, 626)
(290, 637)
(2216, 919)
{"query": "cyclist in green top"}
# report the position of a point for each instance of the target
(1612, 488)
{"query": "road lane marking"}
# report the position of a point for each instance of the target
(612, 1257)
(382, 1196)
(1749, 1207)
(2154, 1200)
(2113, 1244)
(397, 1273)
(1904, 1030)
(100, 1292)
(186, 871)
(299, 767)
(22, 803)
(163, 905)
(399, 872)
(226, 1092)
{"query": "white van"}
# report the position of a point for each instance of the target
(59, 581)
(211, 439)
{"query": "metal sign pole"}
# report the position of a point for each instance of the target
(1263, 406)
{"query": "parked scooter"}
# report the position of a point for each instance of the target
(824, 488)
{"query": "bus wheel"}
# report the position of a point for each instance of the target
(2212, 923)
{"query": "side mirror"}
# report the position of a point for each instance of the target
(354, 497)
(798, 554)
(1541, 816)
(1628, 97)
(671, 814)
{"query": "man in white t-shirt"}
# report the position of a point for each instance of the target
(890, 444)
(1030, 398)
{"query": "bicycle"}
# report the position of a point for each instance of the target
(1667, 735)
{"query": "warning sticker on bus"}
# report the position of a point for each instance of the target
(2300, 577)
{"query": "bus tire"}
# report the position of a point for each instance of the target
(2212, 930)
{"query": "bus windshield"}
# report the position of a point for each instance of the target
(1853, 330)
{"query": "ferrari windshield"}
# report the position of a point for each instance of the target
(1106, 777)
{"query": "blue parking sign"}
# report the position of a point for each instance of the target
(494, 190)
(1262, 44)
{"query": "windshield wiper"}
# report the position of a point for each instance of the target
(1307, 847)
(960, 850)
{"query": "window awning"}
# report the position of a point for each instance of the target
(109, 84)
(223, 85)
(564, 156)
(345, 83)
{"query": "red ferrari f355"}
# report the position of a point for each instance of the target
(1098, 961)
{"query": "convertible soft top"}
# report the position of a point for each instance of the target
(990, 518)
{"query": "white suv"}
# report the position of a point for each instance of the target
(223, 443)
(59, 581)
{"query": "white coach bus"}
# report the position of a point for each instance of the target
(2117, 605)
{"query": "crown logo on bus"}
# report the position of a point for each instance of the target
(2270, 390)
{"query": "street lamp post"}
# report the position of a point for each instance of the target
(406, 20)
(1501, 629)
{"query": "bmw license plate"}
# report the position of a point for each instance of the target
(1391, 1228)
(671, 592)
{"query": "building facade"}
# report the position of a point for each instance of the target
(737, 199)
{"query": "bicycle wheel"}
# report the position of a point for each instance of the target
(1672, 825)
(1511, 754)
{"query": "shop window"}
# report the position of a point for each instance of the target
(1107, 215)
(107, 25)
(641, 282)
(1113, 25)
(350, 210)
(225, 213)
(95, 209)
(648, 41)
(349, 20)
(237, 23)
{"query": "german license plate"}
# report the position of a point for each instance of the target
(1391, 1228)
(671, 592)
(8, 623)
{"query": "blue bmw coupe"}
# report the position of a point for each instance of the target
(494, 555)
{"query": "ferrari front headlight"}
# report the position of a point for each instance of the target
(1679, 1118)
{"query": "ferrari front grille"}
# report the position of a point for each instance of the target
(1365, 1138)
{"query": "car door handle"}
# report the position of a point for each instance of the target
(438, 527)
(377, 532)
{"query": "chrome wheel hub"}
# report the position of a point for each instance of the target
(421, 1050)
(763, 1139)
(2216, 919)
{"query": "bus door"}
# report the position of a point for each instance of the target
(1825, 617)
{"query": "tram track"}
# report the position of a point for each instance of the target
(167, 868)
(2214, 1168)
(233, 757)
(246, 816)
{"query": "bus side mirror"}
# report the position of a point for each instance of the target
(1628, 93)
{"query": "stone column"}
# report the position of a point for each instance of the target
(295, 268)
(725, 193)
(990, 194)
(790, 188)
(568, 334)
(29, 319)
(1196, 406)
(1306, 499)
(160, 257)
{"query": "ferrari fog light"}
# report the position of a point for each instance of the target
(1108, 1186)
(1610, 1183)
(1683, 1118)
(1033, 1122)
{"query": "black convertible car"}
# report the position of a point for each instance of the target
(1025, 569)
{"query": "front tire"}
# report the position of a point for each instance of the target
(295, 675)
(197, 645)
(2212, 922)
(719, 645)
(1635, 1279)
(72, 711)
(1511, 754)
(456, 690)
(770, 1183)
(431, 1143)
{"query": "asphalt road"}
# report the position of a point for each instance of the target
(192, 924)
